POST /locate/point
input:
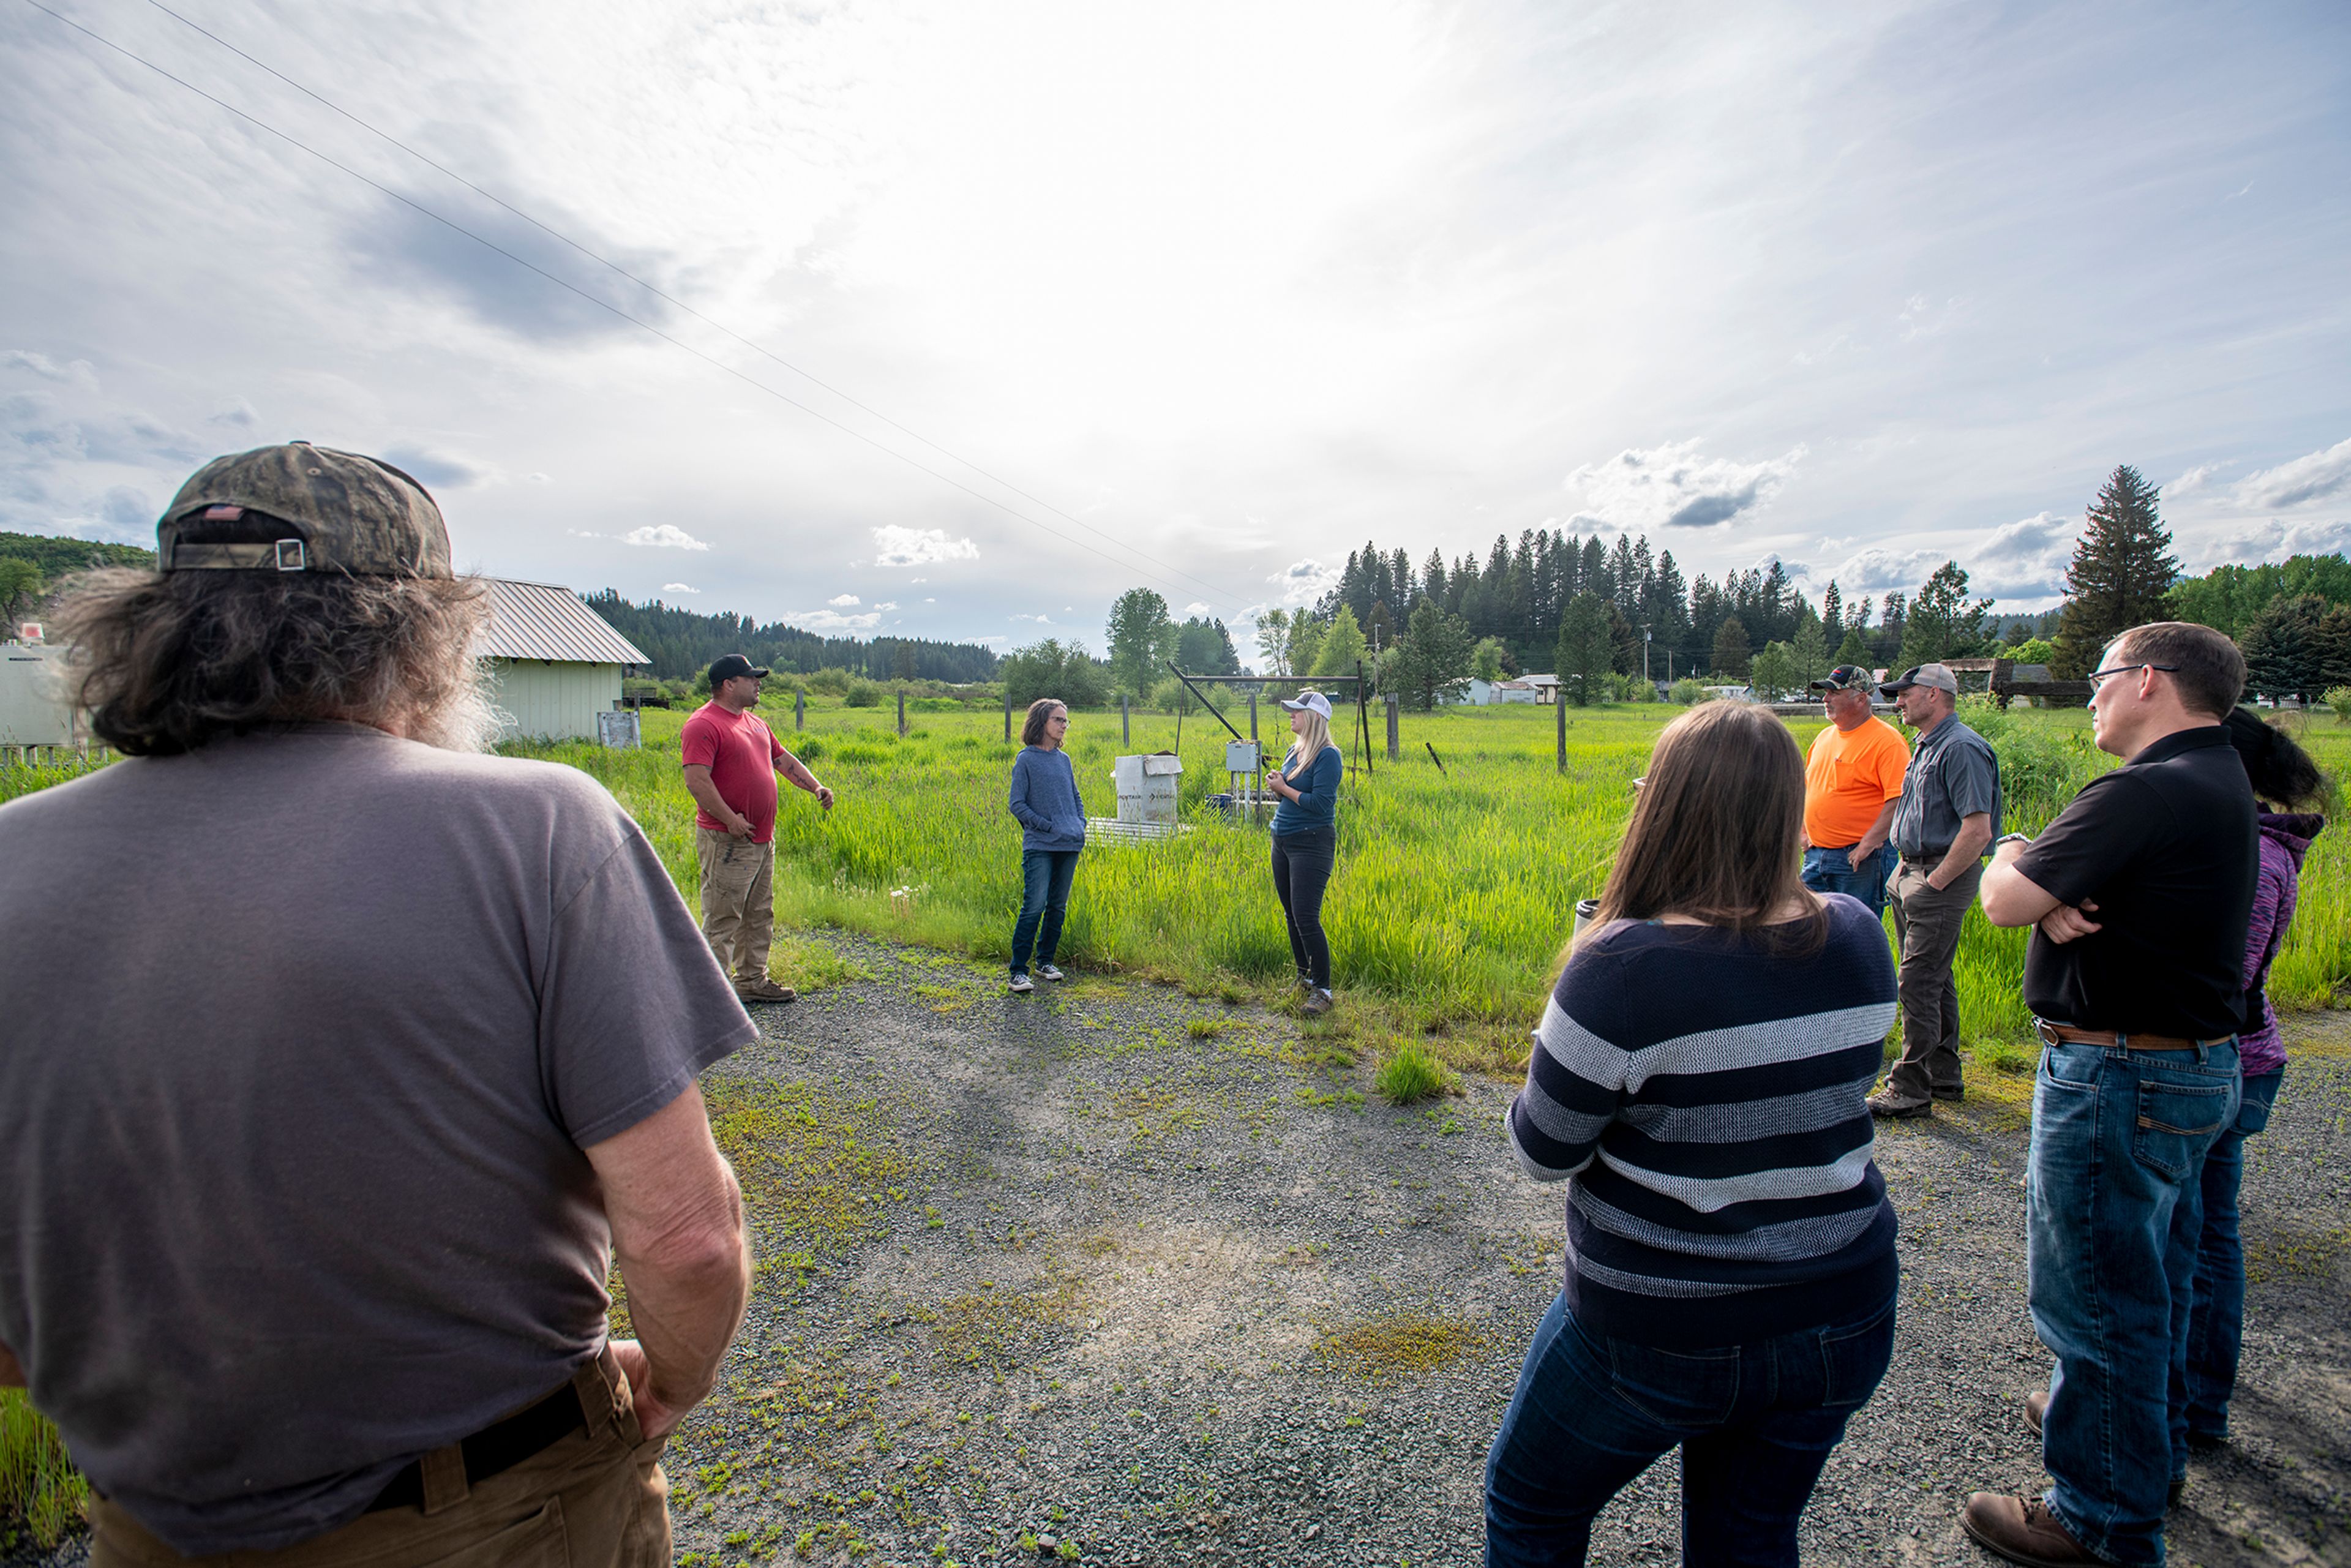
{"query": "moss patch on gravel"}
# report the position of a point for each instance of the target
(1398, 1343)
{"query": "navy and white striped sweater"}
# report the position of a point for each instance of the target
(1708, 1095)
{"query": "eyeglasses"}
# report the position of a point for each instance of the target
(2100, 677)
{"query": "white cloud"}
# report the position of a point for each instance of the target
(2270, 540)
(1040, 620)
(885, 604)
(75, 372)
(1670, 486)
(919, 546)
(2195, 479)
(1304, 581)
(236, 413)
(841, 602)
(1874, 569)
(678, 588)
(662, 536)
(537, 479)
(2024, 560)
(1921, 317)
(2311, 478)
(832, 621)
(1196, 608)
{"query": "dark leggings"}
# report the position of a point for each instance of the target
(1302, 869)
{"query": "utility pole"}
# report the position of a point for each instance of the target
(1645, 650)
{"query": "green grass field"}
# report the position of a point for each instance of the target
(1454, 890)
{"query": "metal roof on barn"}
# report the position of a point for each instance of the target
(544, 621)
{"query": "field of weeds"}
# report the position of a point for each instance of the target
(1459, 865)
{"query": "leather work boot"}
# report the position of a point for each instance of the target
(1955, 1092)
(764, 989)
(2022, 1530)
(1884, 1104)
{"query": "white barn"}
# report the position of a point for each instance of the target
(554, 662)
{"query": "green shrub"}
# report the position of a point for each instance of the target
(1688, 691)
(831, 682)
(1411, 1073)
(2339, 699)
(863, 693)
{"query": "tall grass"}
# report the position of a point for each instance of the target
(38, 1484)
(1454, 886)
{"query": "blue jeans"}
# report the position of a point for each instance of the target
(1833, 871)
(1755, 1424)
(2113, 1210)
(1044, 900)
(2216, 1323)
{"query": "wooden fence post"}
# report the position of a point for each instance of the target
(1559, 701)
(1008, 714)
(1252, 712)
(1125, 736)
(902, 715)
(1395, 749)
(800, 710)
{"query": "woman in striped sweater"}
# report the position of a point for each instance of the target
(1700, 1080)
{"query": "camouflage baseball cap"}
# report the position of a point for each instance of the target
(300, 507)
(1844, 678)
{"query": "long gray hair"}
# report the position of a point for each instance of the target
(164, 662)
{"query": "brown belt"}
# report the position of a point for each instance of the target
(2066, 1034)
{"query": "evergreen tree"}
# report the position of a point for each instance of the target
(1774, 674)
(1435, 657)
(1833, 614)
(1809, 648)
(1585, 652)
(1853, 649)
(1204, 648)
(2121, 572)
(1942, 624)
(1667, 606)
(1626, 638)
(1591, 570)
(2285, 651)
(2334, 648)
(1731, 648)
(1433, 582)
(1886, 644)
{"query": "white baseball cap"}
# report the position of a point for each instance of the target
(1309, 702)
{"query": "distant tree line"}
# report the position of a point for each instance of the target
(32, 564)
(680, 642)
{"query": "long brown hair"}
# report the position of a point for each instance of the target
(1033, 728)
(1718, 831)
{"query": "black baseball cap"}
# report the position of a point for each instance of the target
(733, 667)
(1844, 678)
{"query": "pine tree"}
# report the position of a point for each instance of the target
(2122, 569)
(1585, 652)
(1833, 614)
(1942, 623)
(1810, 647)
(1853, 649)
(2285, 650)
(1731, 648)
(1436, 655)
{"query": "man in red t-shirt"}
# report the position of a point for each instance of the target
(731, 762)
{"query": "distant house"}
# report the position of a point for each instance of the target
(1546, 687)
(1514, 691)
(553, 662)
(1730, 693)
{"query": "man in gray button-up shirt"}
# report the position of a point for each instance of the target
(1947, 817)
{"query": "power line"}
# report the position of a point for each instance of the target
(655, 291)
(606, 304)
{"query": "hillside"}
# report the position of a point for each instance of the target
(56, 555)
(683, 642)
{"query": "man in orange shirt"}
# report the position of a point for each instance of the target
(1852, 781)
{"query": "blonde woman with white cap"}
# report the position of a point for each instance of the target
(1306, 840)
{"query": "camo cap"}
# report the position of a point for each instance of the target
(300, 507)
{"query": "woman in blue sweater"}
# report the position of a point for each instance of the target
(1306, 840)
(1052, 831)
(1698, 1081)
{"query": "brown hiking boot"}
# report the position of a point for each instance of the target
(764, 989)
(2036, 1406)
(1885, 1103)
(2022, 1530)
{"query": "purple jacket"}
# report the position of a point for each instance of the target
(2286, 839)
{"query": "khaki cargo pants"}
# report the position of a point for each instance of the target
(1927, 924)
(738, 902)
(595, 1498)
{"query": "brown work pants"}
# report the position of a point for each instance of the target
(738, 902)
(1927, 926)
(595, 1498)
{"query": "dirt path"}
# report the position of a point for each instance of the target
(1155, 1279)
(1115, 1276)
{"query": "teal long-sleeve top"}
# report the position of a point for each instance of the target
(1316, 783)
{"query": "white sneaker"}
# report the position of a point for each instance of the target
(1021, 983)
(1047, 971)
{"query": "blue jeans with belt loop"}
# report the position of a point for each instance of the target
(1835, 871)
(2216, 1326)
(2113, 1213)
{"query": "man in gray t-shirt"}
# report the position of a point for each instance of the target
(1946, 817)
(337, 1064)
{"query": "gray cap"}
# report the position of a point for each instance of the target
(1939, 677)
(300, 507)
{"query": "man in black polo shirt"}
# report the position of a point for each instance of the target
(2140, 893)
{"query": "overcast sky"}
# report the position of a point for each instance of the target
(1226, 289)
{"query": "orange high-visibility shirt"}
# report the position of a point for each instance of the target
(1849, 778)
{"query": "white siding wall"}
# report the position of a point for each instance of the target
(554, 701)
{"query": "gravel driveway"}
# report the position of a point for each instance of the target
(1112, 1275)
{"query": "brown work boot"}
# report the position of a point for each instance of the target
(1885, 1103)
(764, 989)
(2022, 1530)
(2036, 1406)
